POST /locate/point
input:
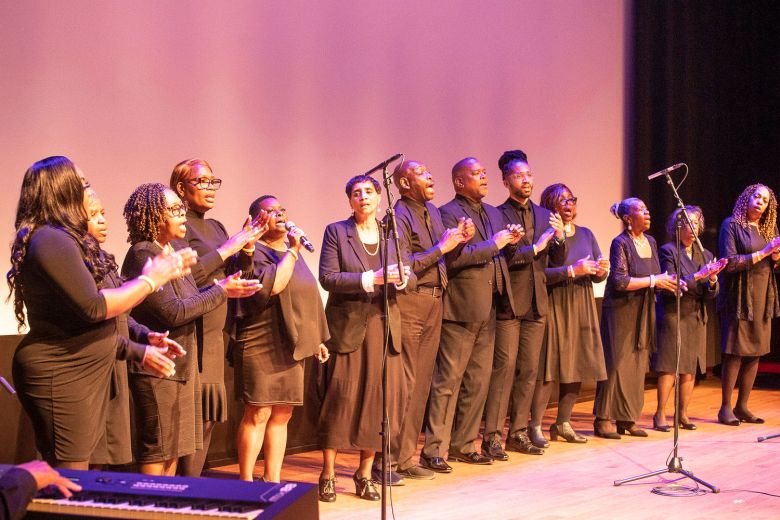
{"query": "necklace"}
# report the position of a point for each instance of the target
(269, 246)
(641, 241)
(376, 250)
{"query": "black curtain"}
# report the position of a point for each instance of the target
(704, 89)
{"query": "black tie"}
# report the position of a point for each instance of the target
(439, 263)
(528, 222)
(496, 261)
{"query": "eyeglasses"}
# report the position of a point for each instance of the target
(206, 183)
(566, 202)
(519, 175)
(177, 210)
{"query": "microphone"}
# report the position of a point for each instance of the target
(289, 226)
(665, 171)
(383, 164)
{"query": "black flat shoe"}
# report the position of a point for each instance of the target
(598, 432)
(661, 427)
(365, 489)
(494, 450)
(748, 418)
(469, 458)
(327, 489)
(437, 464)
(630, 428)
(687, 425)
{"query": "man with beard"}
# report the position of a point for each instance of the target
(519, 336)
(478, 283)
(419, 224)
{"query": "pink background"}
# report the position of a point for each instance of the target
(295, 97)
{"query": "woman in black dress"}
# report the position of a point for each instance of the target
(62, 368)
(194, 181)
(748, 299)
(114, 448)
(628, 321)
(572, 350)
(168, 411)
(272, 333)
(351, 271)
(699, 271)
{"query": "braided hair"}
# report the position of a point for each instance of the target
(768, 220)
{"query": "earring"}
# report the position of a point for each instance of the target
(629, 226)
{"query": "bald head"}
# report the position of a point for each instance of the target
(469, 178)
(414, 181)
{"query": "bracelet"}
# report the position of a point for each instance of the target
(149, 282)
(652, 281)
(756, 257)
(570, 270)
(293, 252)
(248, 251)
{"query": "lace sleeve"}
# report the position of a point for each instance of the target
(619, 269)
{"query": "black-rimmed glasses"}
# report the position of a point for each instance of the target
(206, 183)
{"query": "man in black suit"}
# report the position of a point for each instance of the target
(426, 239)
(478, 283)
(519, 337)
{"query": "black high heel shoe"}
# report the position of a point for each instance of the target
(598, 432)
(364, 488)
(661, 427)
(630, 428)
(728, 421)
(327, 489)
(748, 417)
(565, 430)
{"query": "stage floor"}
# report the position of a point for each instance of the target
(576, 481)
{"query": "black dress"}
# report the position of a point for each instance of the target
(273, 335)
(693, 315)
(572, 350)
(62, 368)
(168, 411)
(627, 331)
(748, 299)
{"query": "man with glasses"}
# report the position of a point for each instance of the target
(478, 283)
(519, 335)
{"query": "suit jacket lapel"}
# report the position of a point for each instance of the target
(357, 246)
(474, 216)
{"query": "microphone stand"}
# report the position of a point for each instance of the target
(389, 232)
(675, 462)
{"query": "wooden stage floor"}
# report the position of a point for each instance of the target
(576, 481)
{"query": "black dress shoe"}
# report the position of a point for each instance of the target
(687, 425)
(630, 428)
(600, 431)
(469, 458)
(493, 449)
(365, 489)
(437, 464)
(537, 437)
(520, 442)
(661, 427)
(327, 489)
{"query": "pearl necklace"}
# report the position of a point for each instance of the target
(639, 242)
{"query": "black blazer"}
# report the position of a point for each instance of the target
(526, 270)
(342, 264)
(469, 294)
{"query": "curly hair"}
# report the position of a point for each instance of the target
(621, 209)
(696, 214)
(52, 194)
(767, 222)
(551, 195)
(145, 212)
(181, 172)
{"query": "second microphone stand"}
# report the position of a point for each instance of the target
(675, 462)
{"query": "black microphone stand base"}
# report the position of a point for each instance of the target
(760, 439)
(675, 466)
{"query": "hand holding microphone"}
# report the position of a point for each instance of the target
(291, 227)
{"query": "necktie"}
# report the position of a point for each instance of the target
(440, 263)
(496, 261)
(528, 223)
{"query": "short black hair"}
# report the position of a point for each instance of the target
(254, 208)
(362, 178)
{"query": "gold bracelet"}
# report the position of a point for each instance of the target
(248, 251)
(149, 282)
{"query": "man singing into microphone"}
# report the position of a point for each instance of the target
(421, 228)
(478, 282)
(519, 336)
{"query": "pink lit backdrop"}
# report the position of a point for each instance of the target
(294, 97)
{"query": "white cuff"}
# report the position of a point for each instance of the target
(367, 281)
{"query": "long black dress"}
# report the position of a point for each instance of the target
(273, 335)
(572, 351)
(748, 300)
(62, 368)
(627, 331)
(168, 411)
(693, 315)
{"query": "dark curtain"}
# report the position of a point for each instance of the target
(703, 89)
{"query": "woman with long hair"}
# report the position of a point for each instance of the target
(572, 350)
(272, 334)
(62, 368)
(351, 271)
(748, 298)
(628, 321)
(699, 270)
(168, 411)
(195, 183)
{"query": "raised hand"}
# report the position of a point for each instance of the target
(556, 223)
(169, 265)
(466, 225)
(237, 287)
(247, 236)
(711, 269)
(544, 240)
(517, 233)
